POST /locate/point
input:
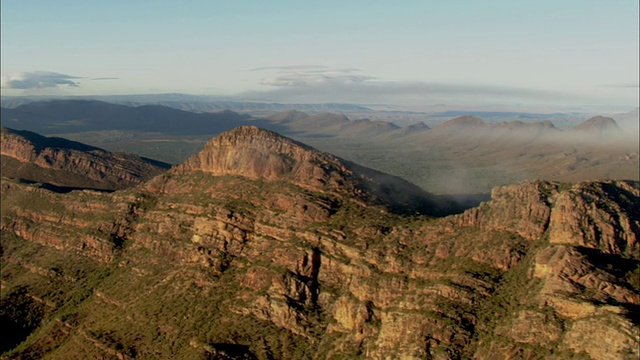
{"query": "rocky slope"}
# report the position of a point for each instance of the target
(226, 257)
(32, 157)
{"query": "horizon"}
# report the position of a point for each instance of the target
(496, 54)
(165, 99)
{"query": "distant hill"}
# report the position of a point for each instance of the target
(328, 124)
(30, 157)
(629, 121)
(67, 116)
(195, 103)
(598, 123)
(462, 122)
(463, 154)
(501, 114)
(598, 126)
(469, 154)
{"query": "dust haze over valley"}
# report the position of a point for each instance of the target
(359, 180)
(441, 152)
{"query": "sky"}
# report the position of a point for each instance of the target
(409, 53)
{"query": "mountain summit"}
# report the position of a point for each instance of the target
(261, 154)
(599, 125)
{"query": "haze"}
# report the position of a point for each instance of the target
(535, 55)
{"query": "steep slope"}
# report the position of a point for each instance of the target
(225, 257)
(56, 161)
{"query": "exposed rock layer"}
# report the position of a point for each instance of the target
(261, 154)
(61, 162)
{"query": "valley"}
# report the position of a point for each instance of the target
(461, 155)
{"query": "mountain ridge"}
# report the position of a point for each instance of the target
(67, 116)
(60, 162)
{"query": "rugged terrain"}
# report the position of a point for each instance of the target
(28, 156)
(261, 247)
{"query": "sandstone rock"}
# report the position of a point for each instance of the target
(608, 337)
(598, 215)
(282, 259)
(523, 208)
(61, 162)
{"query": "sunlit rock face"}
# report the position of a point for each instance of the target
(61, 162)
(260, 154)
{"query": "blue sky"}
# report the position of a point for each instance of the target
(567, 52)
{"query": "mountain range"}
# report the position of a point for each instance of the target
(463, 155)
(62, 116)
(192, 103)
(261, 247)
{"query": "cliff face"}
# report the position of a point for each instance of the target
(224, 256)
(32, 157)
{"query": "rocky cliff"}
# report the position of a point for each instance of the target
(29, 156)
(255, 153)
(249, 251)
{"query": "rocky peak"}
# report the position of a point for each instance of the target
(260, 154)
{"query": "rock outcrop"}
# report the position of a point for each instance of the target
(32, 157)
(255, 153)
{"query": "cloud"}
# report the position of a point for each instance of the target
(314, 83)
(290, 68)
(311, 75)
(38, 80)
(627, 85)
(106, 78)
